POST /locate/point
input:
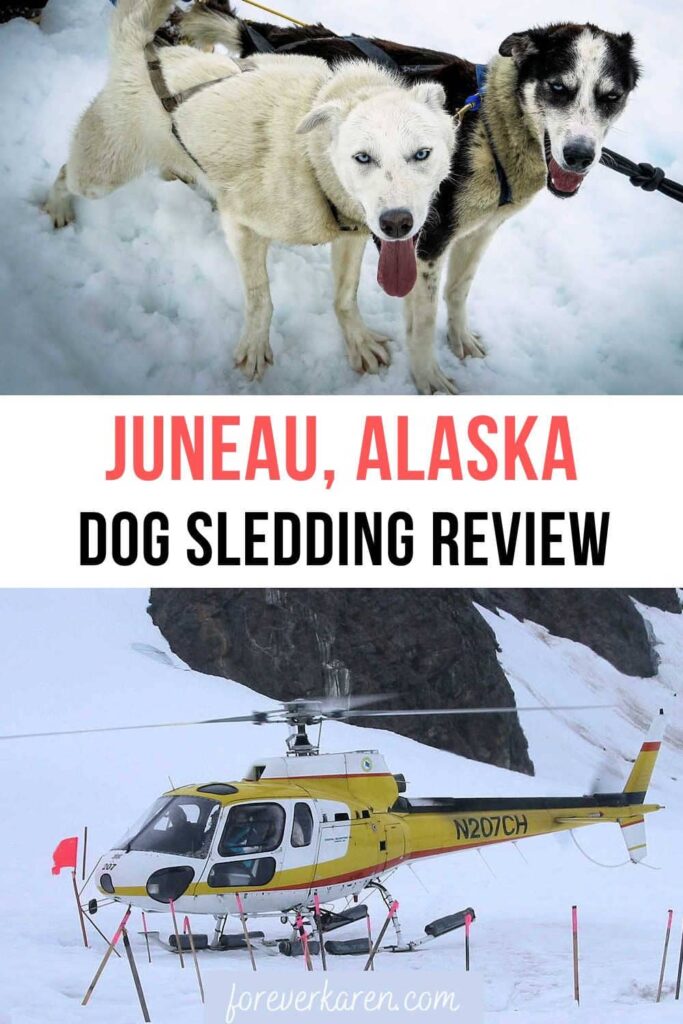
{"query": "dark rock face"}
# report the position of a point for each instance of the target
(430, 648)
(665, 600)
(607, 621)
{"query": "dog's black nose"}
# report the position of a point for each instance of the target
(396, 223)
(579, 155)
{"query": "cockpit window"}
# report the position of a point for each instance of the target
(181, 825)
(252, 828)
(302, 827)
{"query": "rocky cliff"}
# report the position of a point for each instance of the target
(426, 648)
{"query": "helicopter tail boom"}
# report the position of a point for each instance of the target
(482, 822)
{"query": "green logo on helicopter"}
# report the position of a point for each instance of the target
(366, 764)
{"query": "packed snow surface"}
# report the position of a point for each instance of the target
(141, 295)
(86, 659)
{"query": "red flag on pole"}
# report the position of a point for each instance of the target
(66, 855)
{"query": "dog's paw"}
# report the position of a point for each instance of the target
(465, 343)
(433, 381)
(368, 351)
(60, 210)
(253, 358)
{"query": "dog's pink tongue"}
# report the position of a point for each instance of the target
(397, 272)
(564, 181)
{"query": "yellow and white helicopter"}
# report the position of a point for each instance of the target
(310, 824)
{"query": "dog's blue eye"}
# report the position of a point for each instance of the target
(422, 154)
(558, 87)
(363, 158)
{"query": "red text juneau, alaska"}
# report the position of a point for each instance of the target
(232, 448)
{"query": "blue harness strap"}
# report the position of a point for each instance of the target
(474, 103)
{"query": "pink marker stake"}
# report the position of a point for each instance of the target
(393, 910)
(105, 958)
(468, 929)
(670, 921)
(81, 915)
(369, 922)
(319, 926)
(303, 938)
(575, 945)
(119, 931)
(187, 930)
(245, 929)
(144, 928)
(179, 945)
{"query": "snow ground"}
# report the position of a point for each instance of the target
(141, 295)
(76, 659)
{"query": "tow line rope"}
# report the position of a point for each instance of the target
(643, 175)
(278, 14)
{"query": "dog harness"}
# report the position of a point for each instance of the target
(171, 101)
(474, 104)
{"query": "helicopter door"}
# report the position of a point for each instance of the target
(302, 839)
(249, 852)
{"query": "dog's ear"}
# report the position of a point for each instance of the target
(519, 46)
(432, 94)
(327, 113)
(627, 45)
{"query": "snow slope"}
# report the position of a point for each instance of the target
(141, 295)
(74, 659)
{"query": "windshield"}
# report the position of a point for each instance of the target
(180, 825)
(143, 820)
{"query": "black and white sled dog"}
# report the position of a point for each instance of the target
(548, 99)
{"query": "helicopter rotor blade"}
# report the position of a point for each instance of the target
(422, 712)
(322, 710)
(127, 728)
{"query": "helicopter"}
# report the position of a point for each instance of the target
(310, 827)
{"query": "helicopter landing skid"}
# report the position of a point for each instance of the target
(228, 943)
(434, 930)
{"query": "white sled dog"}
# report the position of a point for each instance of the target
(290, 150)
